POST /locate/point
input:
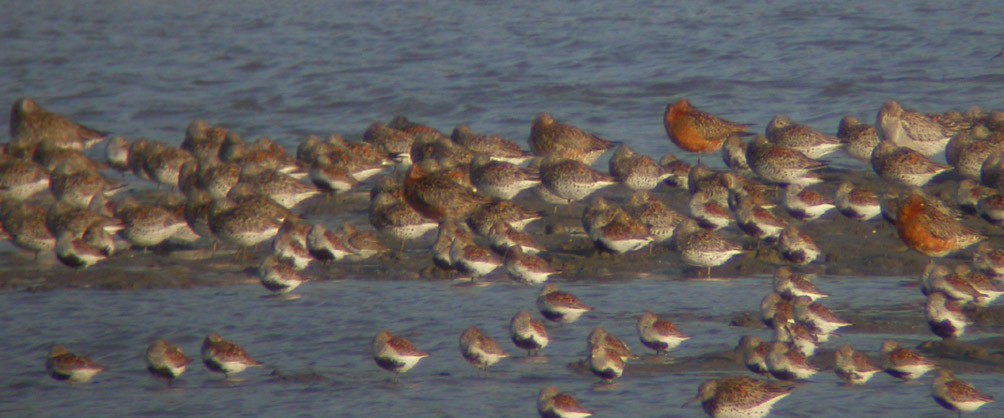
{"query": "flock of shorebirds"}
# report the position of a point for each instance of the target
(225, 190)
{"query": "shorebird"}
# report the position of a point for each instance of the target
(77, 185)
(817, 315)
(945, 316)
(474, 260)
(805, 204)
(600, 336)
(84, 249)
(660, 220)
(391, 141)
(503, 236)
(395, 354)
(480, 350)
(696, 131)
(281, 188)
(967, 153)
(64, 365)
(904, 166)
(969, 193)
(954, 283)
(438, 196)
(678, 169)
(734, 155)
(744, 397)
(166, 360)
(796, 246)
(290, 243)
(222, 356)
(777, 164)
(800, 336)
(754, 354)
(204, 141)
(702, 248)
(325, 245)
(559, 306)
(279, 275)
(20, 179)
(924, 226)
(859, 139)
(553, 404)
(986, 258)
(549, 137)
(955, 394)
(605, 363)
(635, 171)
(904, 363)
(623, 233)
(776, 310)
(911, 129)
(853, 367)
(147, 225)
(163, 163)
(785, 132)
(389, 213)
(658, 334)
(500, 179)
(992, 172)
(438, 148)
(598, 213)
(792, 285)
(31, 124)
(787, 364)
(527, 268)
(26, 226)
(361, 244)
(493, 146)
(857, 203)
(991, 208)
(331, 178)
(755, 220)
(527, 333)
(246, 221)
(708, 212)
(517, 217)
(571, 179)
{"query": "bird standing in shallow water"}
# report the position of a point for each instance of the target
(166, 360)
(738, 397)
(956, 395)
(658, 334)
(479, 349)
(395, 354)
(225, 357)
(553, 404)
(64, 365)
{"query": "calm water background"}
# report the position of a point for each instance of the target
(148, 68)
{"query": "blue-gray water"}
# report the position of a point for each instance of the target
(321, 344)
(148, 68)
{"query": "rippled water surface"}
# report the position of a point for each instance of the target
(148, 68)
(317, 350)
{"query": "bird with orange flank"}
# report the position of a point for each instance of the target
(927, 228)
(695, 131)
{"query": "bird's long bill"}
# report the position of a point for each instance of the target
(691, 400)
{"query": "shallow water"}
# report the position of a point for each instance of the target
(319, 347)
(148, 68)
